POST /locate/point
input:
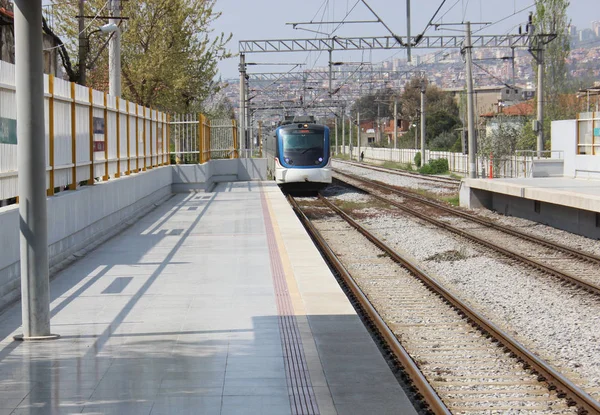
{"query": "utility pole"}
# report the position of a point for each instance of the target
(330, 72)
(395, 123)
(83, 47)
(423, 158)
(540, 100)
(251, 132)
(242, 107)
(33, 221)
(114, 52)
(260, 141)
(378, 124)
(350, 139)
(408, 40)
(358, 133)
(336, 135)
(417, 134)
(470, 109)
(247, 123)
(343, 130)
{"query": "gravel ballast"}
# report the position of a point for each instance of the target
(557, 322)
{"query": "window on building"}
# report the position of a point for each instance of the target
(588, 133)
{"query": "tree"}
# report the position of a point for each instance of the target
(373, 105)
(441, 113)
(551, 18)
(168, 54)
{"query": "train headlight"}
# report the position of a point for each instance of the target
(320, 159)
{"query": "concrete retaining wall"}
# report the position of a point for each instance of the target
(77, 219)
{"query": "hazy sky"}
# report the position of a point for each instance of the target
(265, 19)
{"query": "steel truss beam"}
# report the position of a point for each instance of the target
(321, 76)
(383, 42)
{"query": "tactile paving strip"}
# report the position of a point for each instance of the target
(302, 397)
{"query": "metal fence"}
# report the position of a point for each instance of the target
(196, 139)
(90, 135)
(515, 166)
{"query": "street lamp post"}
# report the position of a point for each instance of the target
(114, 51)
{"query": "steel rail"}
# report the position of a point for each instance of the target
(429, 395)
(574, 394)
(405, 193)
(454, 182)
(572, 279)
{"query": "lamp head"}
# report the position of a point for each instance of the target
(109, 28)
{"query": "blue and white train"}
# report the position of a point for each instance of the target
(299, 154)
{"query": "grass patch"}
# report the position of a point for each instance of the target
(397, 166)
(342, 156)
(453, 200)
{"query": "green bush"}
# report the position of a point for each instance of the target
(437, 166)
(418, 159)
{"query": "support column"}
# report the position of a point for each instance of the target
(33, 221)
(470, 109)
(350, 138)
(343, 131)
(358, 135)
(242, 107)
(423, 158)
(395, 123)
(336, 135)
(540, 101)
(330, 72)
(408, 39)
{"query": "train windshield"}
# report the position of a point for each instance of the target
(303, 147)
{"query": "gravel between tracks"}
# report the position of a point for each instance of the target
(396, 180)
(559, 323)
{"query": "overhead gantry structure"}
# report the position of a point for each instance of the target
(332, 44)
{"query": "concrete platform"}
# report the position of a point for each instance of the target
(213, 303)
(566, 203)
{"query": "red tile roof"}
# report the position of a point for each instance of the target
(522, 109)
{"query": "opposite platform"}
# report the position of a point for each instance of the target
(565, 203)
(214, 303)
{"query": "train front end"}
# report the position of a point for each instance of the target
(302, 156)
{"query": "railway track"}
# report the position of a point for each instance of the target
(460, 362)
(445, 180)
(571, 265)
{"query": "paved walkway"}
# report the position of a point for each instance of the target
(195, 310)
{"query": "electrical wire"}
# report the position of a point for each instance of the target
(86, 28)
(345, 17)
(494, 76)
(504, 18)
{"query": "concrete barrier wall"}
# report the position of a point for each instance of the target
(78, 219)
(202, 177)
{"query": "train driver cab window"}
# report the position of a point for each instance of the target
(303, 147)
